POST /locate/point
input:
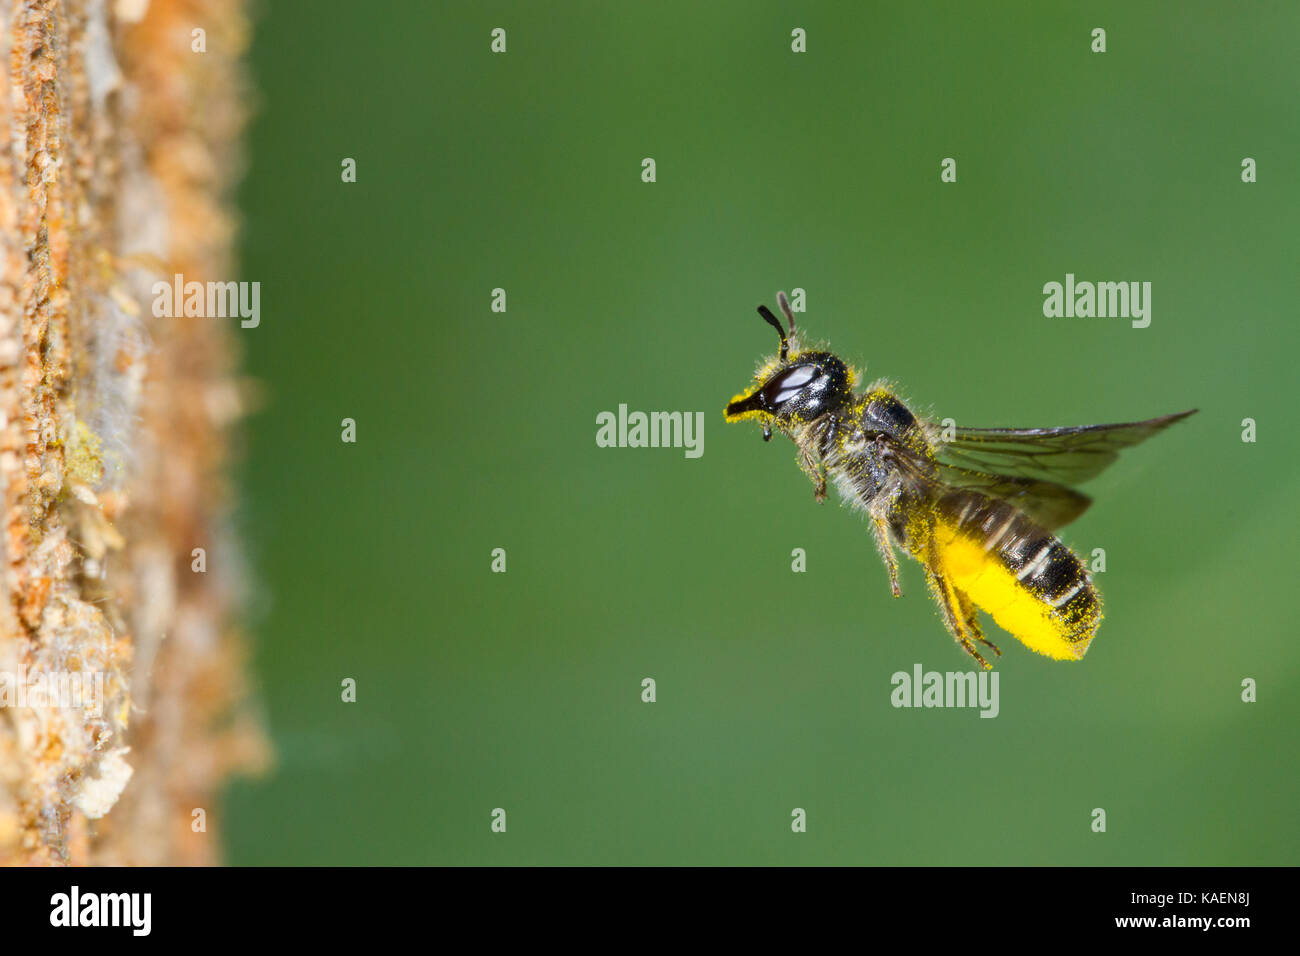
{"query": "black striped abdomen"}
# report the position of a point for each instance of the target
(1032, 584)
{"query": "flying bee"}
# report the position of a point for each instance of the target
(976, 510)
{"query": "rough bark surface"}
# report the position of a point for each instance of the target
(121, 149)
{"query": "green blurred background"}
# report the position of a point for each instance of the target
(476, 430)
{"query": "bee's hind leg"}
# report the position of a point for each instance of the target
(968, 611)
(958, 624)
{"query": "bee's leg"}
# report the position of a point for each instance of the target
(948, 603)
(972, 620)
(880, 531)
(814, 468)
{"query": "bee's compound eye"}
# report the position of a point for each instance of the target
(797, 376)
(789, 384)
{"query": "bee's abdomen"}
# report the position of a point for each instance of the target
(1032, 584)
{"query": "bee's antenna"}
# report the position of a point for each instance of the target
(785, 307)
(770, 319)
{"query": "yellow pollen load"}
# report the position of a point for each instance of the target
(995, 589)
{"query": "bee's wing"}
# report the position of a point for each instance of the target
(1047, 503)
(1057, 456)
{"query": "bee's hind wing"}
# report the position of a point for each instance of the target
(1049, 504)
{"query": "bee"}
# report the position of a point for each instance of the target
(977, 509)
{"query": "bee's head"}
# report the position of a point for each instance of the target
(795, 387)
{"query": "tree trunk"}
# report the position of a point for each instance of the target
(123, 705)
